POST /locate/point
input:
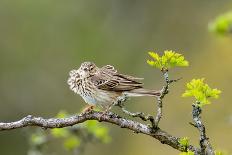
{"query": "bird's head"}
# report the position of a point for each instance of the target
(86, 69)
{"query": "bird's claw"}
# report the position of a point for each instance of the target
(88, 109)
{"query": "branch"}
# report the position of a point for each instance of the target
(154, 120)
(141, 115)
(164, 92)
(205, 145)
(109, 117)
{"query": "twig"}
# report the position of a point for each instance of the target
(205, 145)
(109, 117)
(120, 104)
(159, 112)
(154, 120)
(137, 114)
(164, 92)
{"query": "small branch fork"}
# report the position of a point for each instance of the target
(154, 120)
(205, 145)
(164, 92)
(137, 114)
(109, 117)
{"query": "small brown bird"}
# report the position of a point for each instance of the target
(105, 86)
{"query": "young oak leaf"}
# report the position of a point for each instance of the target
(187, 153)
(100, 132)
(201, 91)
(220, 152)
(222, 24)
(71, 143)
(184, 141)
(60, 132)
(168, 60)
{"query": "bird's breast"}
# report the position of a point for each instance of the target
(89, 99)
(87, 91)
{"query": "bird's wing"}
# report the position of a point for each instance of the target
(109, 68)
(107, 78)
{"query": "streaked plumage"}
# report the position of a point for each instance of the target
(105, 86)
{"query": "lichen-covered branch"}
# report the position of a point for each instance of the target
(140, 115)
(205, 145)
(154, 120)
(163, 92)
(109, 117)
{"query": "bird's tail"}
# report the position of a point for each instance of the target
(143, 92)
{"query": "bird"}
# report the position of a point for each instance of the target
(104, 86)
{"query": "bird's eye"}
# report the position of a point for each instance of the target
(77, 75)
(85, 69)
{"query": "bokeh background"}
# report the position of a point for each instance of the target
(41, 41)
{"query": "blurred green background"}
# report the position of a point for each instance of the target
(41, 41)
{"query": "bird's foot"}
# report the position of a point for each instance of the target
(104, 113)
(87, 109)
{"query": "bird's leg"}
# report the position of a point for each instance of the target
(88, 109)
(106, 111)
(119, 103)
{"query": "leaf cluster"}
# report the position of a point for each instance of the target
(222, 24)
(200, 91)
(168, 60)
(99, 131)
(220, 152)
(187, 153)
(184, 141)
(72, 138)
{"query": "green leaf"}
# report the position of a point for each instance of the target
(103, 134)
(220, 152)
(184, 141)
(100, 132)
(60, 132)
(38, 138)
(168, 60)
(62, 114)
(91, 125)
(154, 55)
(201, 91)
(71, 143)
(222, 24)
(187, 153)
